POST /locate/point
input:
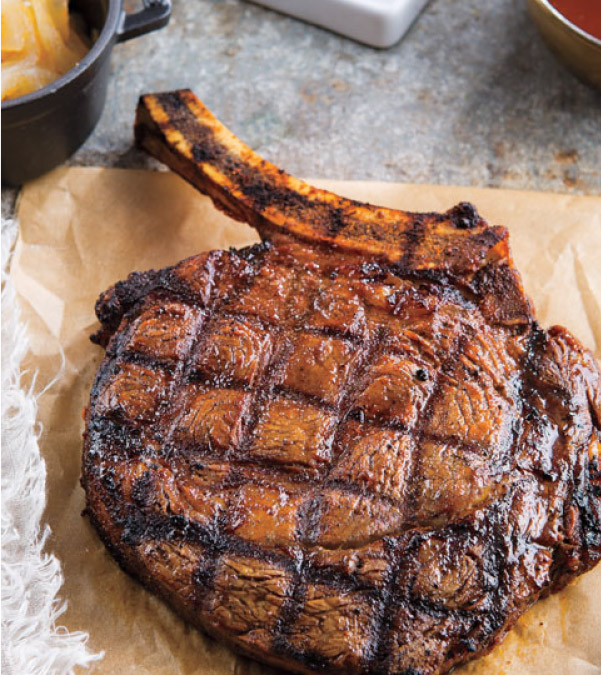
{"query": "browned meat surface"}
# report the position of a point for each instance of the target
(350, 448)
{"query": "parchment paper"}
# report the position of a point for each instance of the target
(83, 229)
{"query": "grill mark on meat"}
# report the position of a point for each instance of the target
(531, 388)
(186, 363)
(273, 366)
(135, 358)
(370, 353)
(380, 647)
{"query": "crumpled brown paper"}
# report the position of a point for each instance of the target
(84, 229)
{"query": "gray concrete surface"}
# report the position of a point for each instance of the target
(470, 96)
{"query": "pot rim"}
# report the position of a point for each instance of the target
(551, 9)
(104, 40)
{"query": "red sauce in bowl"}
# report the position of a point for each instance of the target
(586, 14)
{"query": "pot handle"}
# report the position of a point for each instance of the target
(154, 15)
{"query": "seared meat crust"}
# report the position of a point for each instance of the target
(348, 449)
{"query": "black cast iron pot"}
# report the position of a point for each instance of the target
(44, 128)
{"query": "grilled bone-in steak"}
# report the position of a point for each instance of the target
(349, 448)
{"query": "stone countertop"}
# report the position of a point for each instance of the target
(471, 96)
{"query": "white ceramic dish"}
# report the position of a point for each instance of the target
(379, 23)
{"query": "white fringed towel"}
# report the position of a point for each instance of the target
(33, 643)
